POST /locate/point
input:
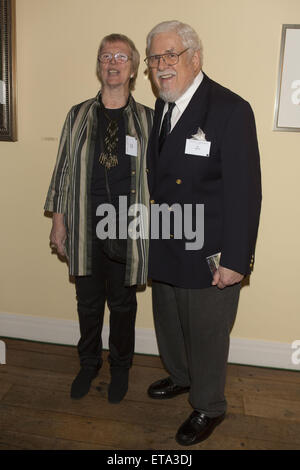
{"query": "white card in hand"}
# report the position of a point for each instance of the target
(131, 146)
(197, 147)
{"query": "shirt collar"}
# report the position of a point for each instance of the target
(184, 99)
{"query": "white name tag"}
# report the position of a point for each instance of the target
(197, 147)
(131, 146)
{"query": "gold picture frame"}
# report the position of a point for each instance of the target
(8, 125)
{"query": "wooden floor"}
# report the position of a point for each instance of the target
(36, 411)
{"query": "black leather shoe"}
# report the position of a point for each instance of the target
(165, 388)
(82, 382)
(197, 428)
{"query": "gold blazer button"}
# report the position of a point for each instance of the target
(178, 181)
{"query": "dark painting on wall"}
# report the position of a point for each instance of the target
(7, 71)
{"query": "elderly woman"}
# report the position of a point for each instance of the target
(101, 157)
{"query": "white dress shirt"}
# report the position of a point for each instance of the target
(183, 101)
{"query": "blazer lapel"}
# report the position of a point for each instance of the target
(159, 106)
(152, 151)
(194, 115)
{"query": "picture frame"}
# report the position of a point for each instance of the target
(287, 103)
(8, 125)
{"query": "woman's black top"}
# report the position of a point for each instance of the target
(119, 175)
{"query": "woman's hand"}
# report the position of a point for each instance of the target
(58, 234)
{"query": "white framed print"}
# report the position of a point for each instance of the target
(287, 103)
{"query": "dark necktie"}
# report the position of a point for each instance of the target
(166, 126)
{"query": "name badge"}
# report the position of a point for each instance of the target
(200, 148)
(131, 146)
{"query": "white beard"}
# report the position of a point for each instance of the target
(172, 95)
(169, 96)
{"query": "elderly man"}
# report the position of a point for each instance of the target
(202, 151)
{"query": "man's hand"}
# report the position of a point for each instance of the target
(224, 277)
(58, 234)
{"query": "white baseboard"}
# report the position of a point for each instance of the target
(54, 330)
(58, 331)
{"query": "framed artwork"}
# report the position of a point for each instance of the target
(287, 105)
(7, 71)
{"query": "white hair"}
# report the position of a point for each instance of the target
(190, 38)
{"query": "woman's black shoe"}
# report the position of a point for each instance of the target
(82, 383)
(119, 384)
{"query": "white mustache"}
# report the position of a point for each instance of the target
(159, 73)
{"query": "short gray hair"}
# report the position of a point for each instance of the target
(135, 55)
(190, 38)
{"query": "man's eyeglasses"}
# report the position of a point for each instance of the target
(170, 58)
(119, 57)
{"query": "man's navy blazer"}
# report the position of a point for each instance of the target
(227, 183)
